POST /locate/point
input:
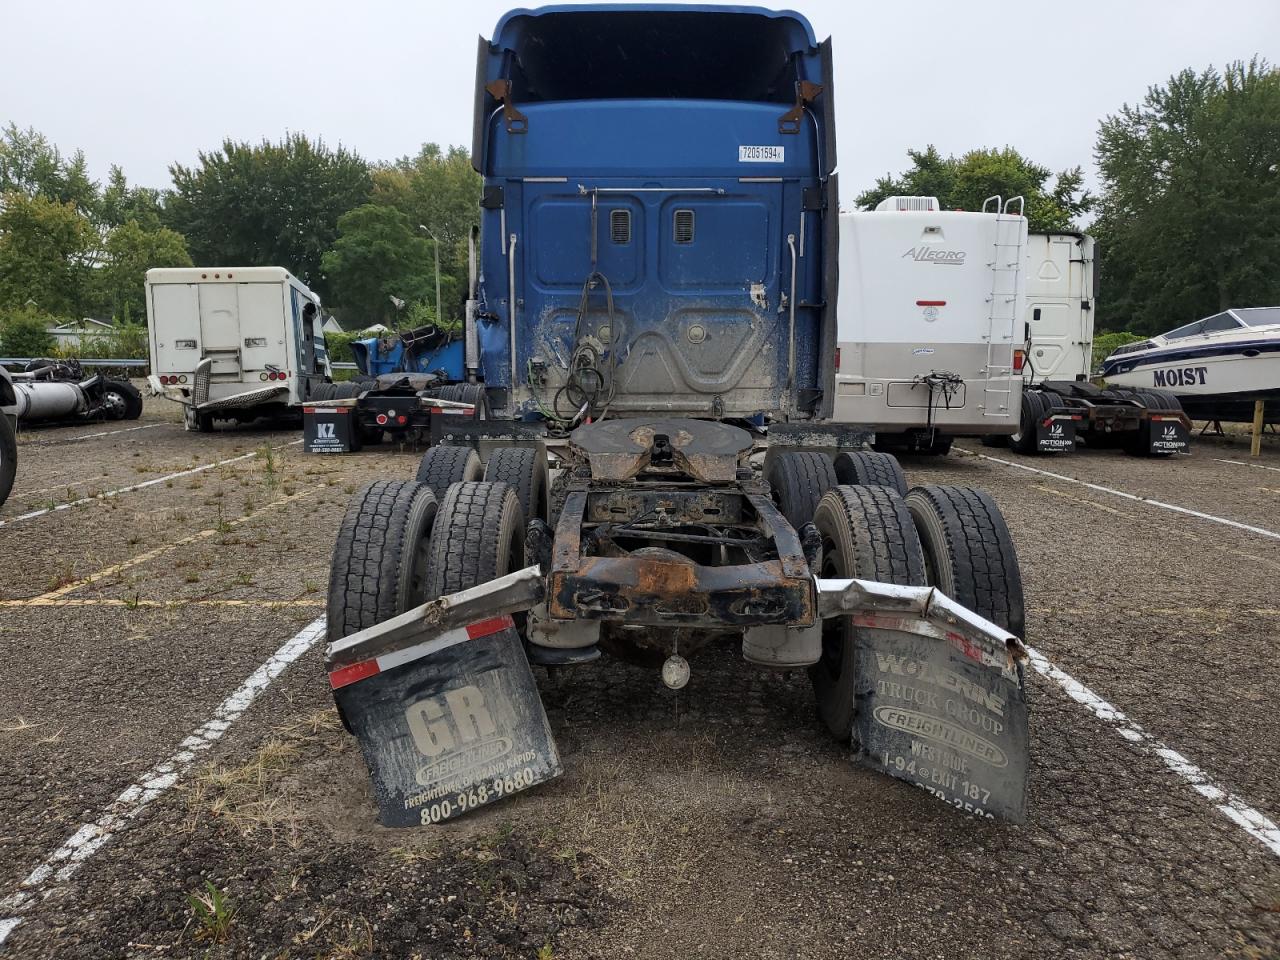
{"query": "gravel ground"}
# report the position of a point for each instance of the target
(719, 822)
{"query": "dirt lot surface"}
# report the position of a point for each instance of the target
(717, 822)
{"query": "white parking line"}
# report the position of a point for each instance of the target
(1228, 804)
(53, 441)
(1241, 463)
(61, 865)
(137, 486)
(1260, 531)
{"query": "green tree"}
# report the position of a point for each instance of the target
(1190, 216)
(130, 251)
(441, 191)
(270, 204)
(120, 203)
(31, 165)
(964, 183)
(24, 332)
(47, 249)
(378, 255)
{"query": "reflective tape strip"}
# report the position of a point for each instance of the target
(345, 676)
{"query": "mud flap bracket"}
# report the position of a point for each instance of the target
(445, 705)
(940, 696)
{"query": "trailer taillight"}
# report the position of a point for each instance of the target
(1019, 359)
(837, 358)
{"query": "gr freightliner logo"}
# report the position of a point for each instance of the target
(924, 254)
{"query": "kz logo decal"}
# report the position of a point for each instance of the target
(326, 431)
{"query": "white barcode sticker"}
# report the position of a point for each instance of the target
(766, 154)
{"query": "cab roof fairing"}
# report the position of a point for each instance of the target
(715, 53)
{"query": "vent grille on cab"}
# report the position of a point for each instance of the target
(620, 226)
(684, 226)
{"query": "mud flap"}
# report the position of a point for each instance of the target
(448, 725)
(1168, 435)
(1056, 434)
(947, 715)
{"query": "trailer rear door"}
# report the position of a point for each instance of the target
(262, 332)
(175, 327)
(220, 328)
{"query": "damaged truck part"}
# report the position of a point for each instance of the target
(654, 321)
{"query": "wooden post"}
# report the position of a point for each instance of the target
(1255, 446)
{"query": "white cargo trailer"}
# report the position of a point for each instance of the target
(235, 342)
(930, 321)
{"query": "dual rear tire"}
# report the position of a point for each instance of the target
(953, 538)
(799, 479)
(402, 543)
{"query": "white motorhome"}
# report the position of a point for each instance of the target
(234, 342)
(1062, 285)
(929, 319)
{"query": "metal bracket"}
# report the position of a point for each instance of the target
(500, 90)
(806, 92)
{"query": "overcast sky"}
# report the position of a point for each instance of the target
(143, 83)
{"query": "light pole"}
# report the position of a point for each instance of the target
(439, 316)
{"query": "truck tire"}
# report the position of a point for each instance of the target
(939, 445)
(8, 457)
(969, 553)
(478, 536)
(197, 422)
(798, 479)
(525, 469)
(347, 390)
(1138, 443)
(122, 401)
(866, 532)
(441, 467)
(472, 393)
(1035, 407)
(866, 468)
(380, 558)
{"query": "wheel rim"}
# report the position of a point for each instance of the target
(114, 404)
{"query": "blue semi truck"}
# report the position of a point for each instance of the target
(652, 315)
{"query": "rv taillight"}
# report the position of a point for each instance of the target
(837, 358)
(402, 419)
(381, 419)
(183, 378)
(263, 376)
(1019, 358)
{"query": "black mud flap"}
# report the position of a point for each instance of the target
(1056, 434)
(1168, 436)
(947, 715)
(450, 725)
(330, 430)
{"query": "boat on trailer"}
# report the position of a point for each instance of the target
(1217, 367)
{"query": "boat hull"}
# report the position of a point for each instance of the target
(1218, 387)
